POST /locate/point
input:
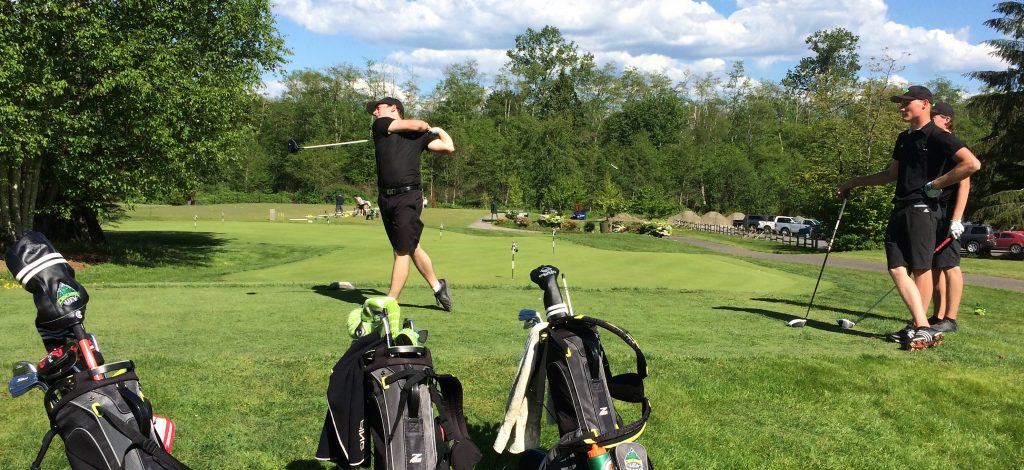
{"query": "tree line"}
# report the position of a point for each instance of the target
(551, 131)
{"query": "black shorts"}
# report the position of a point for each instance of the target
(949, 256)
(910, 236)
(401, 216)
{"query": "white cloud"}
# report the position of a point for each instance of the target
(271, 88)
(666, 36)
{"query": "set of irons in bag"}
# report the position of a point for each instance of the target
(409, 416)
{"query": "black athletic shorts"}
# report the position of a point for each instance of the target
(948, 257)
(401, 216)
(910, 236)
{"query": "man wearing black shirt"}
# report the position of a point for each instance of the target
(917, 161)
(398, 143)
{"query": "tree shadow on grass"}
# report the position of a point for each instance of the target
(848, 313)
(148, 249)
(811, 323)
(358, 296)
(351, 296)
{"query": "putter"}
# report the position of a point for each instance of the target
(800, 322)
(294, 146)
(842, 322)
(25, 378)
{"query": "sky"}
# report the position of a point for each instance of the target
(930, 38)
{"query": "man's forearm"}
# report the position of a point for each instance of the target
(966, 165)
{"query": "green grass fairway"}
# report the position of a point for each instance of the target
(234, 333)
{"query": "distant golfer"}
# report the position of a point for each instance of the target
(919, 169)
(398, 144)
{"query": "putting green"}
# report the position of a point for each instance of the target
(359, 252)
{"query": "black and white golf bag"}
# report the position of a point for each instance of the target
(566, 350)
(99, 412)
(413, 415)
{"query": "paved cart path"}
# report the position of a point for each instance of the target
(817, 258)
(810, 258)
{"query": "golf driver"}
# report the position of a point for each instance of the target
(529, 317)
(25, 378)
(850, 324)
(800, 322)
(294, 146)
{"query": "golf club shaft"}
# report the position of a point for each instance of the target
(886, 294)
(85, 349)
(828, 250)
(334, 145)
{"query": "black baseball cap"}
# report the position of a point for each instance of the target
(942, 108)
(915, 92)
(370, 106)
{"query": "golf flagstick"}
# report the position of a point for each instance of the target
(799, 322)
(850, 324)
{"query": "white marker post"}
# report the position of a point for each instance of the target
(515, 248)
(553, 240)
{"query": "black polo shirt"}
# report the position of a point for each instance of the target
(398, 154)
(922, 155)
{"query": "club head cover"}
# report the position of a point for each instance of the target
(60, 300)
(378, 307)
(546, 277)
(357, 327)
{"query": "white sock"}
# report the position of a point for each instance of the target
(437, 287)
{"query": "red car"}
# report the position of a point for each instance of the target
(1010, 241)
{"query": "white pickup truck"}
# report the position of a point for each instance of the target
(784, 225)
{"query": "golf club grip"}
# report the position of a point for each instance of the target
(943, 244)
(85, 349)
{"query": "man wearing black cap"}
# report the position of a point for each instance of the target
(398, 143)
(949, 279)
(917, 169)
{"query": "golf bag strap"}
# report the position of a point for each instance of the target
(641, 360)
(47, 438)
(412, 378)
(147, 445)
(626, 433)
(464, 452)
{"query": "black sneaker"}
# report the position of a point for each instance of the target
(945, 326)
(932, 320)
(442, 296)
(901, 336)
(925, 337)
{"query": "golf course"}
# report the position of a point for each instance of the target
(234, 327)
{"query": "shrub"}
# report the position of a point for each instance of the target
(523, 221)
(588, 227)
(569, 225)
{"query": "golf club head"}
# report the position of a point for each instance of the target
(844, 323)
(529, 317)
(797, 322)
(25, 378)
(293, 146)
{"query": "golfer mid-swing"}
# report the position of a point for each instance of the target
(398, 144)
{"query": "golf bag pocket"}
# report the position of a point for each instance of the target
(583, 390)
(60, 300)
(415, 415)
(577, 378)
(109, 424)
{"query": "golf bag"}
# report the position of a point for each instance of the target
(413, 414)
(567, 351)
(107, 424)
(99, 411)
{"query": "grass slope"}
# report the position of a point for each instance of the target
(234, 334)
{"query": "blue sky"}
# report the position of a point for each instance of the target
(937, 38)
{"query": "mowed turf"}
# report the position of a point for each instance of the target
(234, 332)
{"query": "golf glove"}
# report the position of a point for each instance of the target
(956, 228)
(435, 130)
(930, 191)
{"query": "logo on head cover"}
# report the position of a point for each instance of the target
(66, 295)
(633, 461)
